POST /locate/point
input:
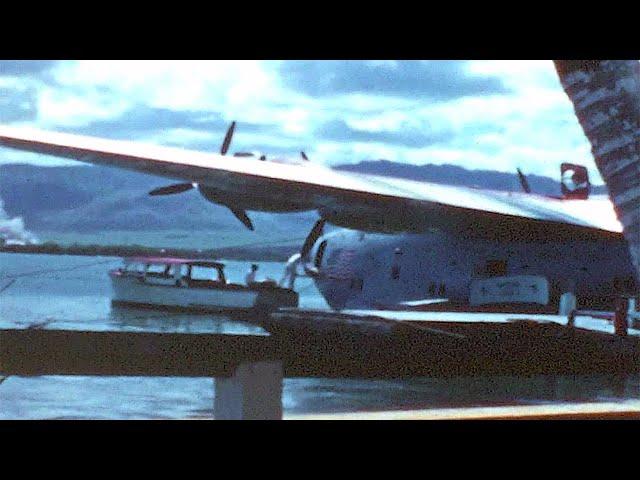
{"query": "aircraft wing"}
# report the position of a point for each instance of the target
(363, 202)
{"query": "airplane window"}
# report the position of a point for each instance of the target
(624, 285)
(395, 266)
(496, 268)
(395, 271)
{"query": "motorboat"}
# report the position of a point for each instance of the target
(192, 284)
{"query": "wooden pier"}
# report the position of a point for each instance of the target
(369, 346)
(249, 368)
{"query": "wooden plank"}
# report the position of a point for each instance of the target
(31, 352)
(629, 409)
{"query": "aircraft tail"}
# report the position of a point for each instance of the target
(574, 181)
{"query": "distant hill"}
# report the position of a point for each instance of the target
(454, 175)
(90, 199)
(97, 199)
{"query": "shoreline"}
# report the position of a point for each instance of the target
(270, 254)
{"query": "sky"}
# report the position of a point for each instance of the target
(495, 115)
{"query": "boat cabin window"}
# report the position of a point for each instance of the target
(171, 271)
(158, 270)
(185, 271)
(205, 273)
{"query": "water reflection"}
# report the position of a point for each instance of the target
(151, 320)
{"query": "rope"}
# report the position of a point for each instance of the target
(11, 282)
(53, 270)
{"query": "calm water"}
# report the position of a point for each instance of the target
(69, 292)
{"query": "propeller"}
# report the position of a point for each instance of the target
(173, 189)
(524, 182)
(183, 187)
(243, 217)
(314, 234)
(227, 139)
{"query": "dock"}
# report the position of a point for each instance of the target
(385, 345)
(249, 369)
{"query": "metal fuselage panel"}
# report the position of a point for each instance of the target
(371, 270)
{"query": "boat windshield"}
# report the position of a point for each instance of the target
(161, 270)
(134, 267)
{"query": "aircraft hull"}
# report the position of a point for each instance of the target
(378, 271)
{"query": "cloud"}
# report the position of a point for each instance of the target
(140, 120)
(338, 130)
(477, 114)
(429, 80)
(18, 104)
(19, 68)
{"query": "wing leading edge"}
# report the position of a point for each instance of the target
(354, 201)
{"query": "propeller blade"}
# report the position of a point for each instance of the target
(524, 182)
(227, 139)
(243, 217)
(314, 234)
(304, 156)
(172, 189)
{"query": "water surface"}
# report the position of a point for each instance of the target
(73, 292)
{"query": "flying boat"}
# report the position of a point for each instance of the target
(398, 242)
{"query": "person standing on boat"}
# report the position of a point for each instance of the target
(290, 271)
(251, 275)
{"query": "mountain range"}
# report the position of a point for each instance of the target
(86, 199)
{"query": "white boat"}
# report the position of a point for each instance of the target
(191, 284)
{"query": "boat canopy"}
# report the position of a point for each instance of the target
(175, 261)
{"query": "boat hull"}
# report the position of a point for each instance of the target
(134, 291)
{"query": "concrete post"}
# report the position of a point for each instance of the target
(254, 392)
